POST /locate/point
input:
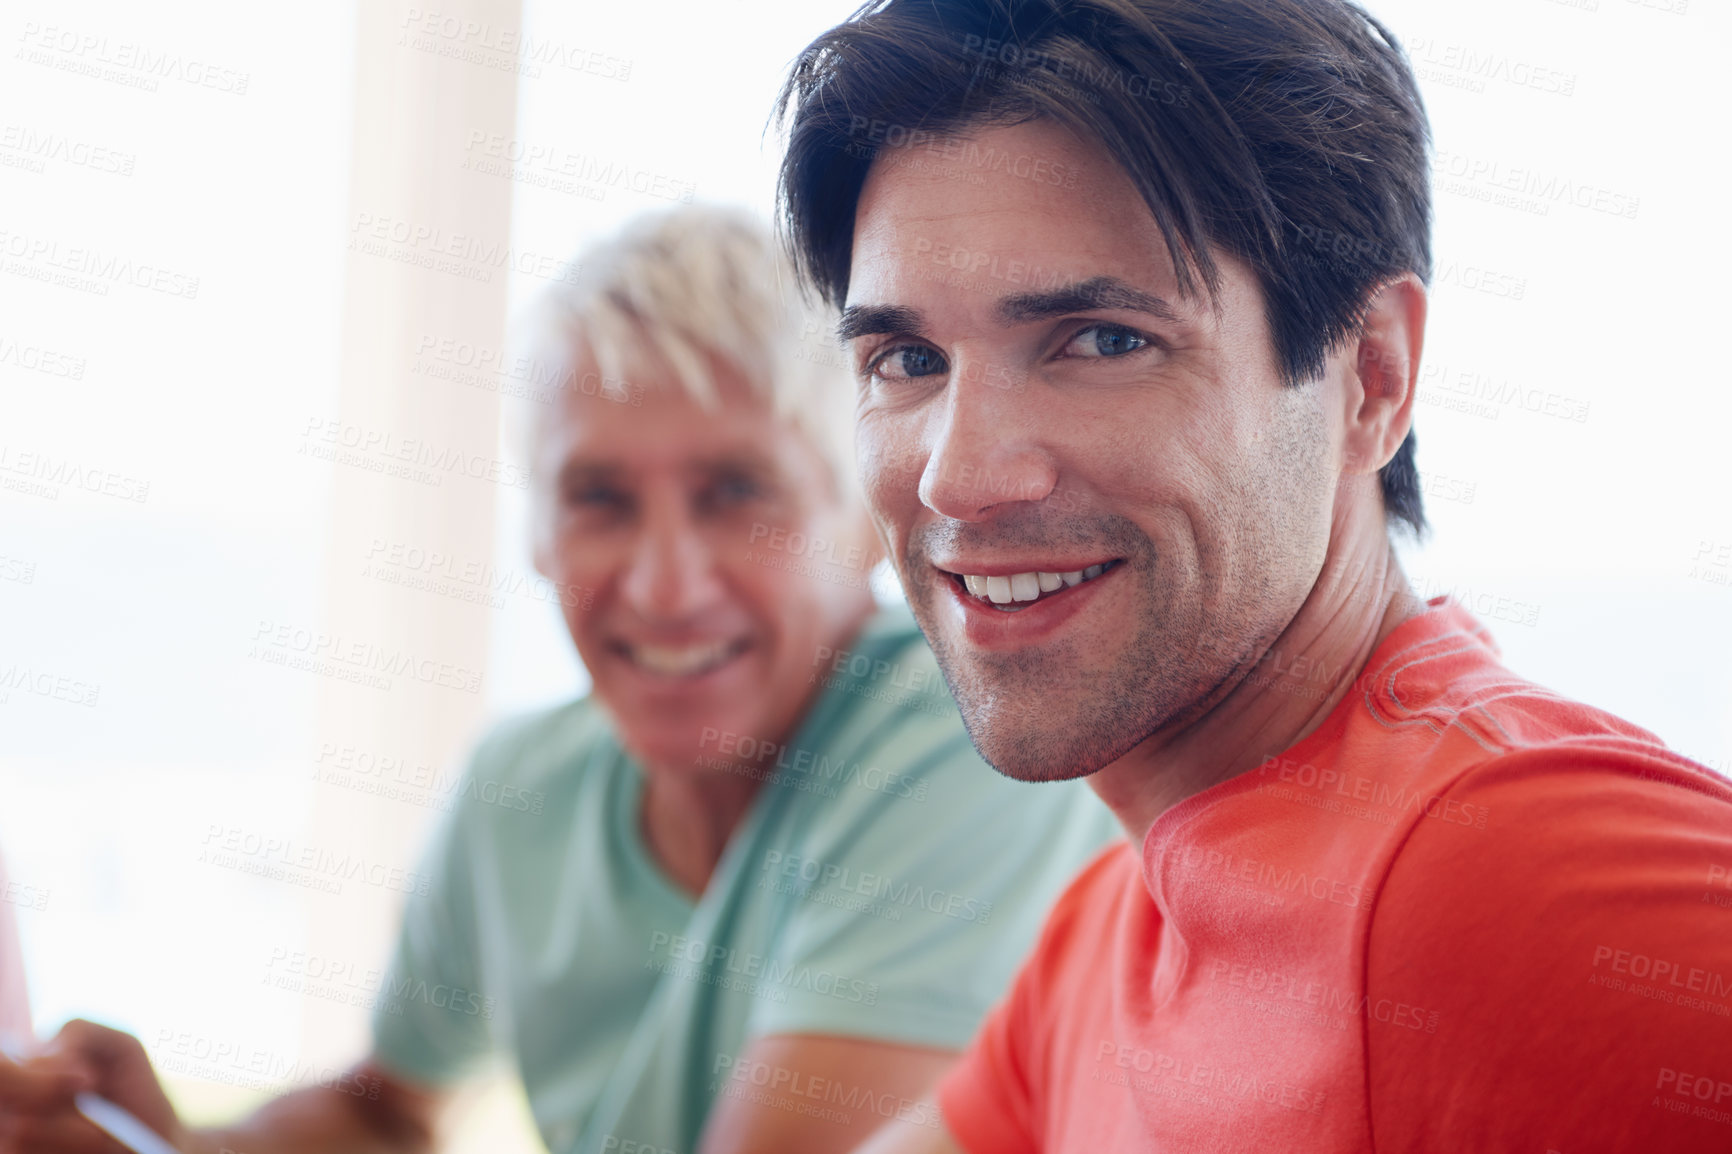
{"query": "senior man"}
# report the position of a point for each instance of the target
(758, 901)
(1136, 294)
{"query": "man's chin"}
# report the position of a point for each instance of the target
(1037, 773)
(1041, 755)
(728, 742)
(1031, 723)
(689, 749)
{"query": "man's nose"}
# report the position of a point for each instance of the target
(987, 449)
(672, 571)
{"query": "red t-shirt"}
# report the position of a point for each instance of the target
(1464, 914)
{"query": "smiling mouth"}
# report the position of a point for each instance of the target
(679, 661)
(1012, 592)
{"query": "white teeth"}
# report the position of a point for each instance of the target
(683, 660)
(1026, 586)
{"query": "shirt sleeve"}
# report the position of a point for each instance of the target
(986, 1099)
(912, 906)
(1563, 979)
(430, 1023)
(998, 1097)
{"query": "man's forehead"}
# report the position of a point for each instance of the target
(1021, 248)
(664, 424)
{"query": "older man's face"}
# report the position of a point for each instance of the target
(705, 559)
(1100, 498)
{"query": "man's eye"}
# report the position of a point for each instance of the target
(906, 362)
(595, 497)
(1104, 341)
(729, 491)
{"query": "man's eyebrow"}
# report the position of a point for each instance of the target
(576, 469)
(1100, 292)
(864, 320)
(752, 461)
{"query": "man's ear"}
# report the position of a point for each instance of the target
(1385, 376)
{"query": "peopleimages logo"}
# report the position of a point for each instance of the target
(43, 683)
(1704, 1096)
(418, 783)
(813, 875)
(375, 449)
(1357, 796)
(37, 359)
(717, 964)
(36, 149)
(345, 981)
(1302, 990)
(237, 1064)
(466, 579)
(315, 867)
(1664, 971)
(42, 474)
(801, 768)
(90, 269)
(507, 49)
(1271, 876)
(1151, 1071)
(810, 546)
(316, 651)
(136, 65)
(797, 1091)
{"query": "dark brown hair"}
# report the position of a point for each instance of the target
(1289, 133)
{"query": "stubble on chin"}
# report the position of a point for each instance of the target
(1074, 705)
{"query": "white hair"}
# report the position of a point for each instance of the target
(679, 289)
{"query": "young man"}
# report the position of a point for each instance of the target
(748, 895)
(1135, 292)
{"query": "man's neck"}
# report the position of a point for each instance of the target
(687, 819)
(1357, 601)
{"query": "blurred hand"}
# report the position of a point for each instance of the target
(37, 1112)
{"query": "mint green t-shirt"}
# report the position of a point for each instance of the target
(884, 884)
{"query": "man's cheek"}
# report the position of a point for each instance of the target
(889, 479)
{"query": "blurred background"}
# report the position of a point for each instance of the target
(263, 572)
